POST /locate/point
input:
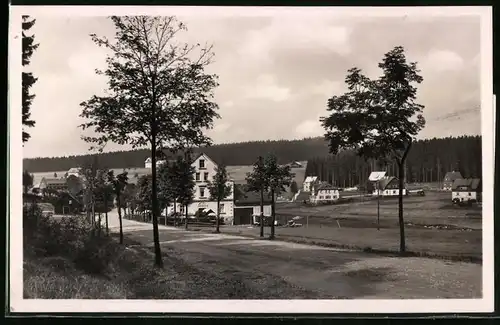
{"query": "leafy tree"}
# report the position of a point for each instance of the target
(165, 186)
(129, 197)
(28, 46)
(220, 188)
(277, 177)
(378, 118)
(89, 176)
(27, 181)
(185, 183)
(144, 189)
(257, 182)
(173, 182)
(118, 185)
(159, 96)
(294, 187)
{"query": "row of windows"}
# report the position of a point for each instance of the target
(328, 197)
(198, 176)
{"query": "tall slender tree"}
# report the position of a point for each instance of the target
(220, 188)
(118, 185)
(28, 80)
(277, 177)
(257, 182)
(159, 93)
(378, 118)
(186, 184)
(27, 181)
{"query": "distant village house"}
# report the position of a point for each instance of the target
(247, 208)
(466, 190)
(148, 163)
(388, 186)
(309, 183)
(449, 178)
(324, 193)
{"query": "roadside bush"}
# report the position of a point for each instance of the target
(73, 238)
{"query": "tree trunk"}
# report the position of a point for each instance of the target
(175, 212)
(261, 212)
(106, 213)
(154, 195)
(120, 217)
(273, 215)
(186, 219)
(217, 228)
(402, 244)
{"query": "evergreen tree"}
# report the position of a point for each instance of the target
(28, 47)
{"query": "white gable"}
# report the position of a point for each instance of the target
(148, 160)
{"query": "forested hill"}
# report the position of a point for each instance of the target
(428, 161)
(243, 153)
(424, 159)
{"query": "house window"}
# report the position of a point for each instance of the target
(205, 176)
(202, 192)
(470, 193)
(321, 197)
(393, 192)
(328, 197)
(197, 177)
(181, 209)
(202, 164)
(221, 208)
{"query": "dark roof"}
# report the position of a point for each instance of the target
(452, 176)
(326, 186)
(385, 181)
(54, 181)
(253, 198)
(471, 183)
(303, 196)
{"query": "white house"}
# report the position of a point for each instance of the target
(148, 163)
(74, 172)
(309, 183)
(465, 190)
(324, 193)
(388, 186)
(205, 169)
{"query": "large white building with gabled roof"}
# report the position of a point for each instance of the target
(205, 169)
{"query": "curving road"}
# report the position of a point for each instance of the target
(275, 269)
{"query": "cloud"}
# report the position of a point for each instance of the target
(287, 34)
(309, 128)
(266, 88)
(275, 73)
(443, 60)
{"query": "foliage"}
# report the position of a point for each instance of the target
(159, 95)
(27, 181)
(231, 154)
(256, 180)
(70, 237)
(186, 181)
(294, 188)
(277, 176)
(220, 188)
(380, 118)
(144, 189)
(28, 47)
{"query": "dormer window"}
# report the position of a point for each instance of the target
(202, 164)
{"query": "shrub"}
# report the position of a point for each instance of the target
(70, 237)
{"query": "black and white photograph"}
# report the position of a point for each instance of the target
(251, 159)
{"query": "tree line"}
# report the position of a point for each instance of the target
(428, 161)
(230, 154)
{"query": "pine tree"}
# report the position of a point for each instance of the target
(28, 46)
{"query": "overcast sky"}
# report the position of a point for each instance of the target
(276, 74)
